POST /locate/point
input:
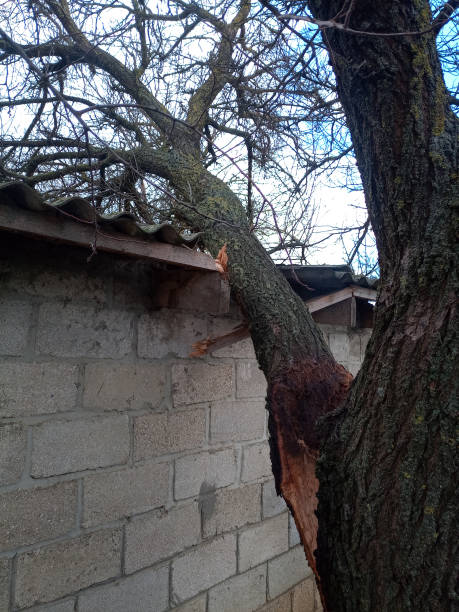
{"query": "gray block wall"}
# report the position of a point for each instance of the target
(132, 477)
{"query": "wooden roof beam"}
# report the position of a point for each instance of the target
(57, 228)
(324, 301)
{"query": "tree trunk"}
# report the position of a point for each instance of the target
(304, 380)
(388, 485)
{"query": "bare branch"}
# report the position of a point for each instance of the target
(335, 25)
(220, 69)
(444, 15)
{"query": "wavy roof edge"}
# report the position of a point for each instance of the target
(18, 193)
(319, 278)
(325, 277)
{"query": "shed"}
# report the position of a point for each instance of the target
(334, 294)
(133, 477)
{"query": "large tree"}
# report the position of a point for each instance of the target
(388, 483)
(384, 444)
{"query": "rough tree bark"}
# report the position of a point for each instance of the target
(304, 380)
(388, 484)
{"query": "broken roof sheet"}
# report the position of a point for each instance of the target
(312, 281)
(307, 281)
(22, 195)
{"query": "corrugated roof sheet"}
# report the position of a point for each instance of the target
(307, 281)
(22, 195)
(312, 281)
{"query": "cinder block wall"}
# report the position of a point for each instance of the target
(133, 478)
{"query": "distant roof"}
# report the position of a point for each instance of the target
(312, 281)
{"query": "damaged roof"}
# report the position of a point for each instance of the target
(78, 209)
(74, 221)
(312, 281)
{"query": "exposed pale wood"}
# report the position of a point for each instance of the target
(324, 301)
(363, 292)
(62, 229)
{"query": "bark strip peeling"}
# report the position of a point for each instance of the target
(297, 398)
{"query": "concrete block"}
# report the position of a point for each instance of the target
(28, 516)
(199, 382)
(4, 584)
(200, 292)
(133, 284)
(13, 275)
(14, 326)
(161, 535)
(67, 283)
(364, 339)
(354, 367)
(203, 567)
(12, 452)
(28, 389)
(204, 472)
(281, 604)
(43, 269)
(229, 509)
(111, 386)
(256, 462)
(293, 535)
(164, 433)
(198, 604)
(234, 420)
(70, 446)
(250, 380)
(262, 542)
(164, 332)
(243, 593)
(339, 346)
(239, 350)
(61, 569)
(147, 590)
(354, 346)
(286, 571)
(73, 330)
(66, 605)
(112, 495)
(272, 503)
(303, 596)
